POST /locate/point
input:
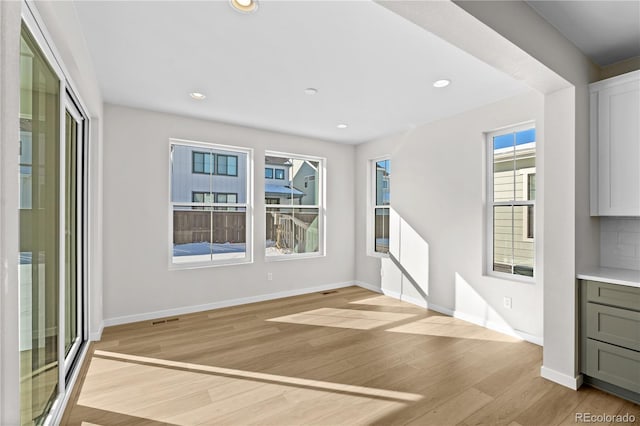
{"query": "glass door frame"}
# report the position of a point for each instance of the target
(69, 100)
(70, 106)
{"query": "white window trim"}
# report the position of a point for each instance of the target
(372, 205)
(248, 205)
(489, 204)
(525, 190)
(320, 205)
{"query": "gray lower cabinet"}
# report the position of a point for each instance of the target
(610, 337)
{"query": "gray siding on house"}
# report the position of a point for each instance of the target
(184, 182)
(306, 180)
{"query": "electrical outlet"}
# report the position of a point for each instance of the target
(269, 276)
(507, 302)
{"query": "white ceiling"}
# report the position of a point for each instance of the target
(373, 69)
(606, 31)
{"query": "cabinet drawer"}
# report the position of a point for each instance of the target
(614, 325)
(616, 295)
(613, 364)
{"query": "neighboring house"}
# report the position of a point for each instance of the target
(305, 175)
(382, 183)
(207, 176)
(278, 188)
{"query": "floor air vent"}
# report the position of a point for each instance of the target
(164, 321)
(329, 292)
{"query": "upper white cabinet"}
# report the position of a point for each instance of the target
(615, 146)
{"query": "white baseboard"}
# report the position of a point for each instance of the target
(222, 304)
(500, 328)
(368, 286)
(415, 301)
(392, 293)
(441, 309)
(561, 378)
(95, 336)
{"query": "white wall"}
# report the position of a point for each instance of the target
(9, 152)
(138, 283)
(437, 190)
(516, 40)
(573, 236)
(66, 36)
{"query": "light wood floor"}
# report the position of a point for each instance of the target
(344, 358)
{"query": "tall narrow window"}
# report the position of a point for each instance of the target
(209, 210)
(511, 190)
(381, 204)
(294, 219)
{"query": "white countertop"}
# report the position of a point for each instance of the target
(611, 275)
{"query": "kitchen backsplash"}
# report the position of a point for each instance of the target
(620, 242)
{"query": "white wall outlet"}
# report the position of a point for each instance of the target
(269, 276)
(507, 302)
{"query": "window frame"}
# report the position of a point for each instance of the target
(217, 169)
(204, 154)
(268, 169)
(321, 206)
(372, 205)
(525, 190)
(275, 174)
(247, 205)
(490, 204)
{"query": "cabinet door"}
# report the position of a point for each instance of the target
(619, 150)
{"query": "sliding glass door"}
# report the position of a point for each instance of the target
(52, 241)
(39, 231)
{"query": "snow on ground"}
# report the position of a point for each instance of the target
(194, 249)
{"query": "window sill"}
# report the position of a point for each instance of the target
(512, 277)
(201, 265)
(297, 256)
(378, 255)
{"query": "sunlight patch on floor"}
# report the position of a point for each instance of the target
(343, 318)
(383, 301)
(452, 327)
(184, 393)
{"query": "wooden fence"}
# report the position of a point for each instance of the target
(194, 226)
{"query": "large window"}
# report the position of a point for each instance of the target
(511, 194)
(294, 207)
(381, 200)
(209, 211)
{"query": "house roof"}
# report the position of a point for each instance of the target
(270, 189)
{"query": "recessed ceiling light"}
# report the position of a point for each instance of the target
(342, 126)
(244, 5)
(441, 83)
(197, 96)
(310, 91)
